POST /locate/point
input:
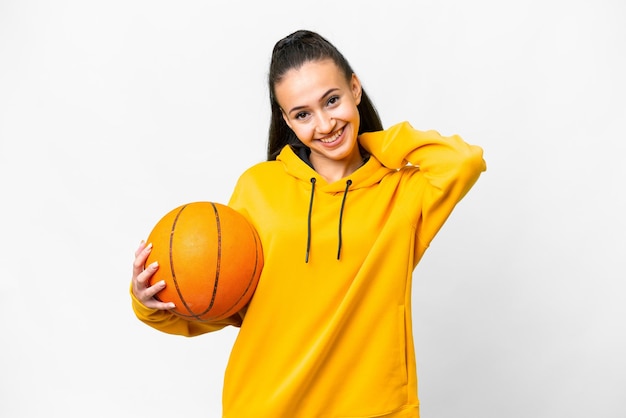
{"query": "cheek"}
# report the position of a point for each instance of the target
(351, 114)
(303, 132)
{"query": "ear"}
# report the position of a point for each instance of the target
(357, 90)
(285, 118)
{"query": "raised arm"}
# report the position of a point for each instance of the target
(439, 169)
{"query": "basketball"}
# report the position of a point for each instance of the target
(210, 258)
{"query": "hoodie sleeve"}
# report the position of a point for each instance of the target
(445, 169)
(170, 323)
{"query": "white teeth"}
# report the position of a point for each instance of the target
(332, 138)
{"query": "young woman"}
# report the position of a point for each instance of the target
(344, 210)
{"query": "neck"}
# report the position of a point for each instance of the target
(333, 171)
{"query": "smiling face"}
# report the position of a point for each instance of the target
(320, 106)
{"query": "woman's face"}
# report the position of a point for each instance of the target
(320, 106)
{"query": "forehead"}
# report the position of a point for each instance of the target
(309, 81)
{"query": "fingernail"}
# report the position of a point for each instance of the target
(154, 265)
(148, 247)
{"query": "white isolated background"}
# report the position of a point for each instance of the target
(112, 113)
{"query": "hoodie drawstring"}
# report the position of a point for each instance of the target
(343, 204)
(308, 237)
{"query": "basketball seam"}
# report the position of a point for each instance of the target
(171, 250)
(218, 261)
(229, 311)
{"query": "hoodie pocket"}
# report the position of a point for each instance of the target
(402, 347)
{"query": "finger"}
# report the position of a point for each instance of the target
(149, 294)
(141, 255)
(142, 245)
(156, 304)
(143, 279)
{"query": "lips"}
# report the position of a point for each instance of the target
(332, 138)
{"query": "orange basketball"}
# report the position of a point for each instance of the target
(210, 257)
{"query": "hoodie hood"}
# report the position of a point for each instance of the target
(297, 164)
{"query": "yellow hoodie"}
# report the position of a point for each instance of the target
(328, 332)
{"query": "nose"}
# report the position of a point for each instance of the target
(325, 123)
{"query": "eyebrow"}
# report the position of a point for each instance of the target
(321, 98)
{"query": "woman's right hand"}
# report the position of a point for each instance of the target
(141, 280)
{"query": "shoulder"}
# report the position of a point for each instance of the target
(260, 171)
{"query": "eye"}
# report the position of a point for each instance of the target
(332, 100)
(301, 115)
